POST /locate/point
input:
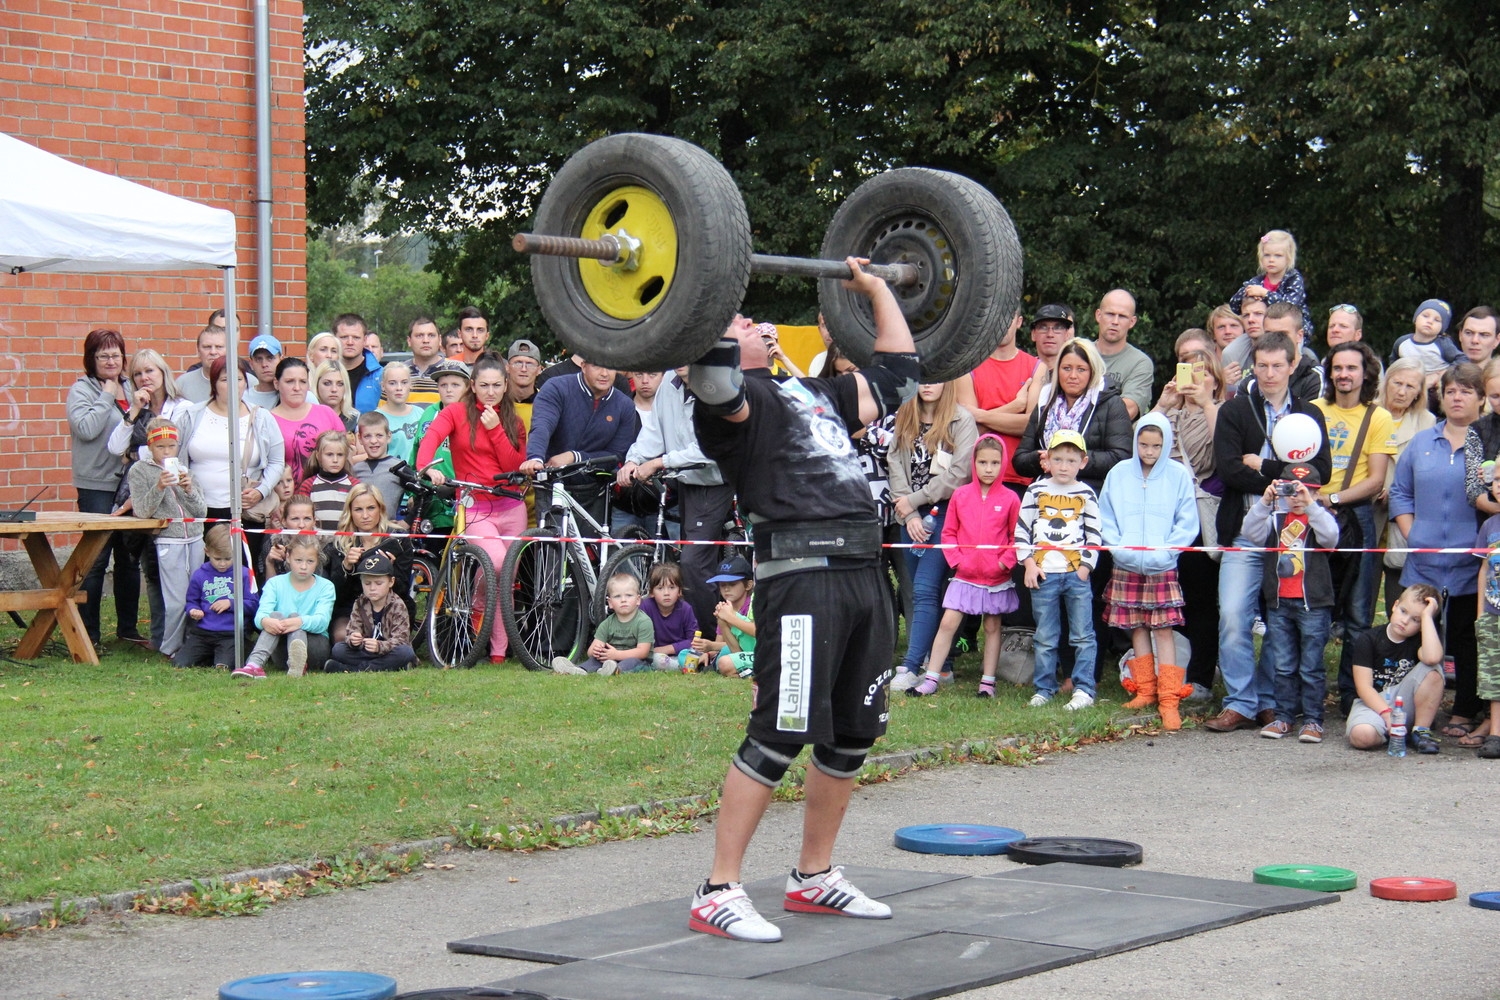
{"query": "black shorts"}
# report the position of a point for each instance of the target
(824, 645)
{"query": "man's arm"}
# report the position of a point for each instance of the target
(1008, 418)
(1371, 484)
(892, 337)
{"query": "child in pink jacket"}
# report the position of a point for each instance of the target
(981, 512)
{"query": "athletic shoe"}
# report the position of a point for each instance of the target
(661, 661)
(563, 665)
(1259, 626)
(945, 678)
(1080, 699)
(1312, 732)
(296, 658)
(1422, 739)
(830, 892)
(729, 913)
(986, 689)
(221, 666)
(1276, 729)
(1200, 695)
(905, 680)
(250, 671)
(608, 667)
(1039, 699)
(927, 686)
(1489, 749)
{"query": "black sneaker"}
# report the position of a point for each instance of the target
(1422, 740)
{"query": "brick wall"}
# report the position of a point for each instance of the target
(159, 92)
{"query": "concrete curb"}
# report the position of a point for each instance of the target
(33, 914)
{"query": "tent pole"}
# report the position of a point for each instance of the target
(236, 547)
(263, 192)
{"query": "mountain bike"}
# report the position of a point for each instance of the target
(548, 579)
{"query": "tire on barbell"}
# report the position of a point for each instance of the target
(681, 317)
(961, 238)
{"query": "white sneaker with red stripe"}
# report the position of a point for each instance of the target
(729, 913)
(830, 892)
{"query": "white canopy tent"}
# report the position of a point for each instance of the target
(58, 216)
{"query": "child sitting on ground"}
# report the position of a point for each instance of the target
(1428, 341)
(982, 512)
(1057, 536)
(160, 487)
(623, 639)
(1148, 507)
(297, 514)
(672, 618)
(327, 478)
(732, 653)
(1297, 586)
(293, 616)
(210, 605)
(379, 633)
(1393, 660)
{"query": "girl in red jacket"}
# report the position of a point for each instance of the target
(981, 512)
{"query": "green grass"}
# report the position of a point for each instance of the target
(133, 773)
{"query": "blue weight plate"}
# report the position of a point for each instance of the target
(956, 838)
(311, 986)
(1485, 900)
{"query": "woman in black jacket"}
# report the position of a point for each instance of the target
(363, 522)
(1079, 399)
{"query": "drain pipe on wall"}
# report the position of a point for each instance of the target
(263, 240)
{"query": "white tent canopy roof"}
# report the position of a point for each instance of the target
(56, 215)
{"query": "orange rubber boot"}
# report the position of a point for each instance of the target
(1142, 682)
(1171, 688)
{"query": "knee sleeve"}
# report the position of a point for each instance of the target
(842, 759)
(717, 381)
(765, 762)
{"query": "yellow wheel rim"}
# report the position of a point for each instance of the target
(615, 291)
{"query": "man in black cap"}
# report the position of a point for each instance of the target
(825, 638)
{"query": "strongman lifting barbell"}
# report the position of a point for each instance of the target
(642, 256)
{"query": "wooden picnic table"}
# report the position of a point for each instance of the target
(56, 603)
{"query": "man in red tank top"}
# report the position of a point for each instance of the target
(995, 393)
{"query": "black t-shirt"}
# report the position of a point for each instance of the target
(1390, 661)
(792, 459)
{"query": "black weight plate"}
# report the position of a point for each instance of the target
(1078, 850)
(712, 267)
(963, 243)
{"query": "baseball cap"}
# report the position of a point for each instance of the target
(376, 563)
(266, 342)
(1304, 474)
(450, 366)
(1068, 437)
(524, 349)
(730, 570)
(1053, 311)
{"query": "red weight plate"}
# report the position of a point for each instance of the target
(1413, 890)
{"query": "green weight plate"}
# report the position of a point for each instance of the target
(1318, 878)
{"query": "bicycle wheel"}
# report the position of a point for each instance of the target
(462, 609)
(636, 560)
(423, 580)
(542, 601)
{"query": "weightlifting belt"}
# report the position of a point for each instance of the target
(786, 546)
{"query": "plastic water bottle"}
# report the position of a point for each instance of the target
(1397, 745)
(929, 523)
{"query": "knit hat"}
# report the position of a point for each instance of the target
(1438, 306)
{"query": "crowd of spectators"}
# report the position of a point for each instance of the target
(1404, 459)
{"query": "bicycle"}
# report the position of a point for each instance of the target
(548, 579)
(639, 558)
(460, 611)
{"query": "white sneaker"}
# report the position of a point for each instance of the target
(296, 658)
(905, 680)
(729, 913)
(563, 665)
(830, 892)
(608, 667)
(1259, 626)
(1039, 699)
(1080, 699)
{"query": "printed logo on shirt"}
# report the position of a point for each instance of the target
(828, 430)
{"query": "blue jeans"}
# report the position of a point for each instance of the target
(1295, 637)
(1248, 687)
(929, 571)
(1356, 596)
(1047, 602)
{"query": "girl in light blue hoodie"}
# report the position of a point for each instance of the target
(1148, 503)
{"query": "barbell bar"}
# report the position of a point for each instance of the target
(622, 250)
